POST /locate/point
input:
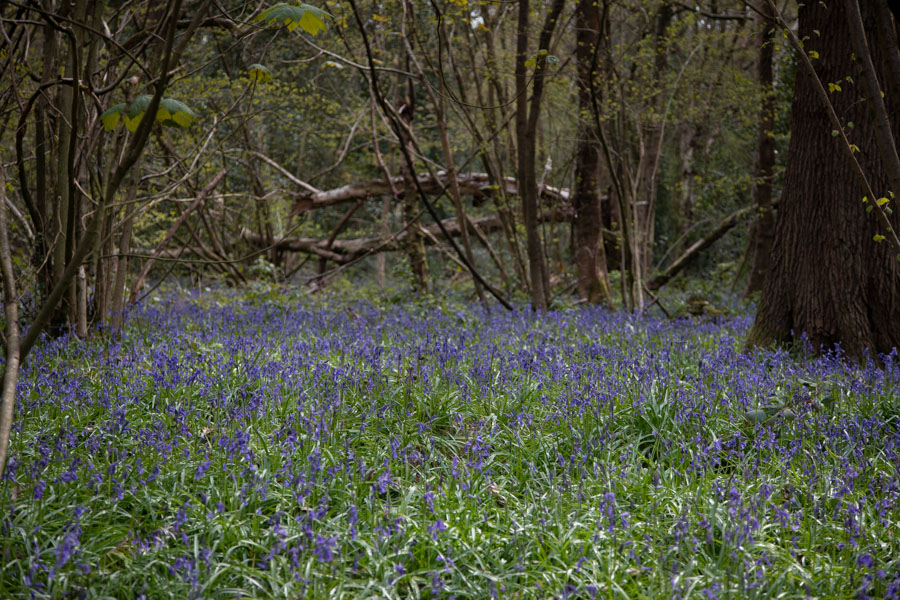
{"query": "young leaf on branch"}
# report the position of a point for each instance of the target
(171, 112)
(259, 73)
(309, 18)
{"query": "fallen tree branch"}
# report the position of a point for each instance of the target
(476, 185)
(691, 254)
(171, 232)
(343, 251)
(309, 188)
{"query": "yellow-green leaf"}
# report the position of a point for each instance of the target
(174, 113)
(309, 18)
(259, 72)
(111, 117)
(878, 238)
(136, 111)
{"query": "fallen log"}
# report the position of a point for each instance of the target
(475, 185)
(343, 251)
(691, 254)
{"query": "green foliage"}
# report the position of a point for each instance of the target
(171, 113)
(259, 73)
(112, 116)
(174, 113)
(309, 18)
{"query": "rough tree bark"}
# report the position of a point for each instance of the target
(587, 224)
(830, 280)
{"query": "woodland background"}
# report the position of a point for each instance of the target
(288, 170)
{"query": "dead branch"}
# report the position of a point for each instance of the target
(344, 251)
(476, 185)
(689, 255)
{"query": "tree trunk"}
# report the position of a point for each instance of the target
(525, 157)
(415, 241)
(763, 230)
(527, 114)
(12, 351)
(117, 307)
(830, 280)
(587, 224)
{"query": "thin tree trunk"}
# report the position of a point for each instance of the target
(453, 182)
(415, 242)
(117, 307)
(384, 231)
(762, 233)
(527, 115)
(12, 354)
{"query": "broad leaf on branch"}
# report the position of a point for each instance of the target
(174, 113)
(309, 18)
(171, 113)
(136, 112)
(259, 72)
(110, 118)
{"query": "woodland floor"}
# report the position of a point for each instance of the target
(258, 448)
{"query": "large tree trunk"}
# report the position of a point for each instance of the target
(763, 230)
(830, 281)
(587, 224)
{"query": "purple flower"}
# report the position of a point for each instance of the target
(436, 528)
(865, 560)
(66, 549)
(325, 547)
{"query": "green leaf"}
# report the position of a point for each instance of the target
(136, 112)
(756, 416)
(309, 18)
(877, 238)
(110, 118)
(171, 113)
(174, 113)
(259, 72)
